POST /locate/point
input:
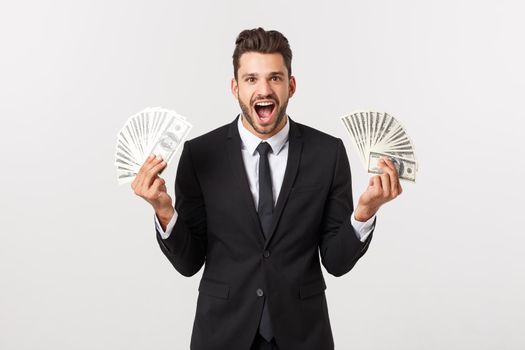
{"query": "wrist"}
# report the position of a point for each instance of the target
(364, 213)
(165, 214)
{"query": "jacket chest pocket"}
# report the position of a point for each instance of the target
(307, 188)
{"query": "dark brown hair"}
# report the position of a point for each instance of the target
(262, 41)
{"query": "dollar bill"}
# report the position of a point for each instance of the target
(406, 168)
(154, 130)
(376, 134)
(170, 139)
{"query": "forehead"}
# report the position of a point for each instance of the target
(261, 63)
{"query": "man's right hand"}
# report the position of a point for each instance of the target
(150, 186)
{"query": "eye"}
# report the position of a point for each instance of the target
(276, 78)
(250, 79)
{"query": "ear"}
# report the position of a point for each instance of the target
(234, 87)
(292, 86)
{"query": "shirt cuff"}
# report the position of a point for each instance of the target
(169, 228)
(362, 229)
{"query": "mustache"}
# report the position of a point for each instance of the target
(267, 97)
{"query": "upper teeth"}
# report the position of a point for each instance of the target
(264, 103)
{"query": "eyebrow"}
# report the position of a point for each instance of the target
(246, 75)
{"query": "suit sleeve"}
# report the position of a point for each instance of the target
(340, 247)
(186, 246)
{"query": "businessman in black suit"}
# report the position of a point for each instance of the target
(258, 201)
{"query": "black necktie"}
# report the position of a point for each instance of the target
(265, 211)
(265, 207)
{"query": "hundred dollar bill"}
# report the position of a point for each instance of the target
(406, 168)
(154, 130)
(171, 138)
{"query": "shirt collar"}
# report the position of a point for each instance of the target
(251, 141)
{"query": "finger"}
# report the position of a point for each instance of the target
(146, 164)
(385, 184)
(399, 189)
(389, 163)
(152, 174)
(135, 184)
(377, 185)
(150, 158)
(145, 170)
(389, 168)
(159, 184)
(156, 188)
(385, 167)
(150, 162)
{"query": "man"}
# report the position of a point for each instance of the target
(257, 201)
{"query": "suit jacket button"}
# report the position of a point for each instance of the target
(260, 292)
(266, 253)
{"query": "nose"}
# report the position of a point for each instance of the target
(263, 88)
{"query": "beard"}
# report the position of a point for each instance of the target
(281, 112)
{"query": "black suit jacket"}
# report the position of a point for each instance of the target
(218, 226)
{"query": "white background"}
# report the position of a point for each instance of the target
(79, 264)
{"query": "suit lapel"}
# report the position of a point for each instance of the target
(239, 170)
(295, 146)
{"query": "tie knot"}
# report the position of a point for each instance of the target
(263, 148)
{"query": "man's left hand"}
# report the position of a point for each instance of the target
(381, 189)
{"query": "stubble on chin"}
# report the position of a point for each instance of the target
(280, 116)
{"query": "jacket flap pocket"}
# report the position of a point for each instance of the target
(215, 289)
(310, 289)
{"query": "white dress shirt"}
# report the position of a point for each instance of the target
(277, 158)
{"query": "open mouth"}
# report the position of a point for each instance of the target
(264, 109)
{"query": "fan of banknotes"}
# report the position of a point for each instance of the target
(154, 130)
(378, 134)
